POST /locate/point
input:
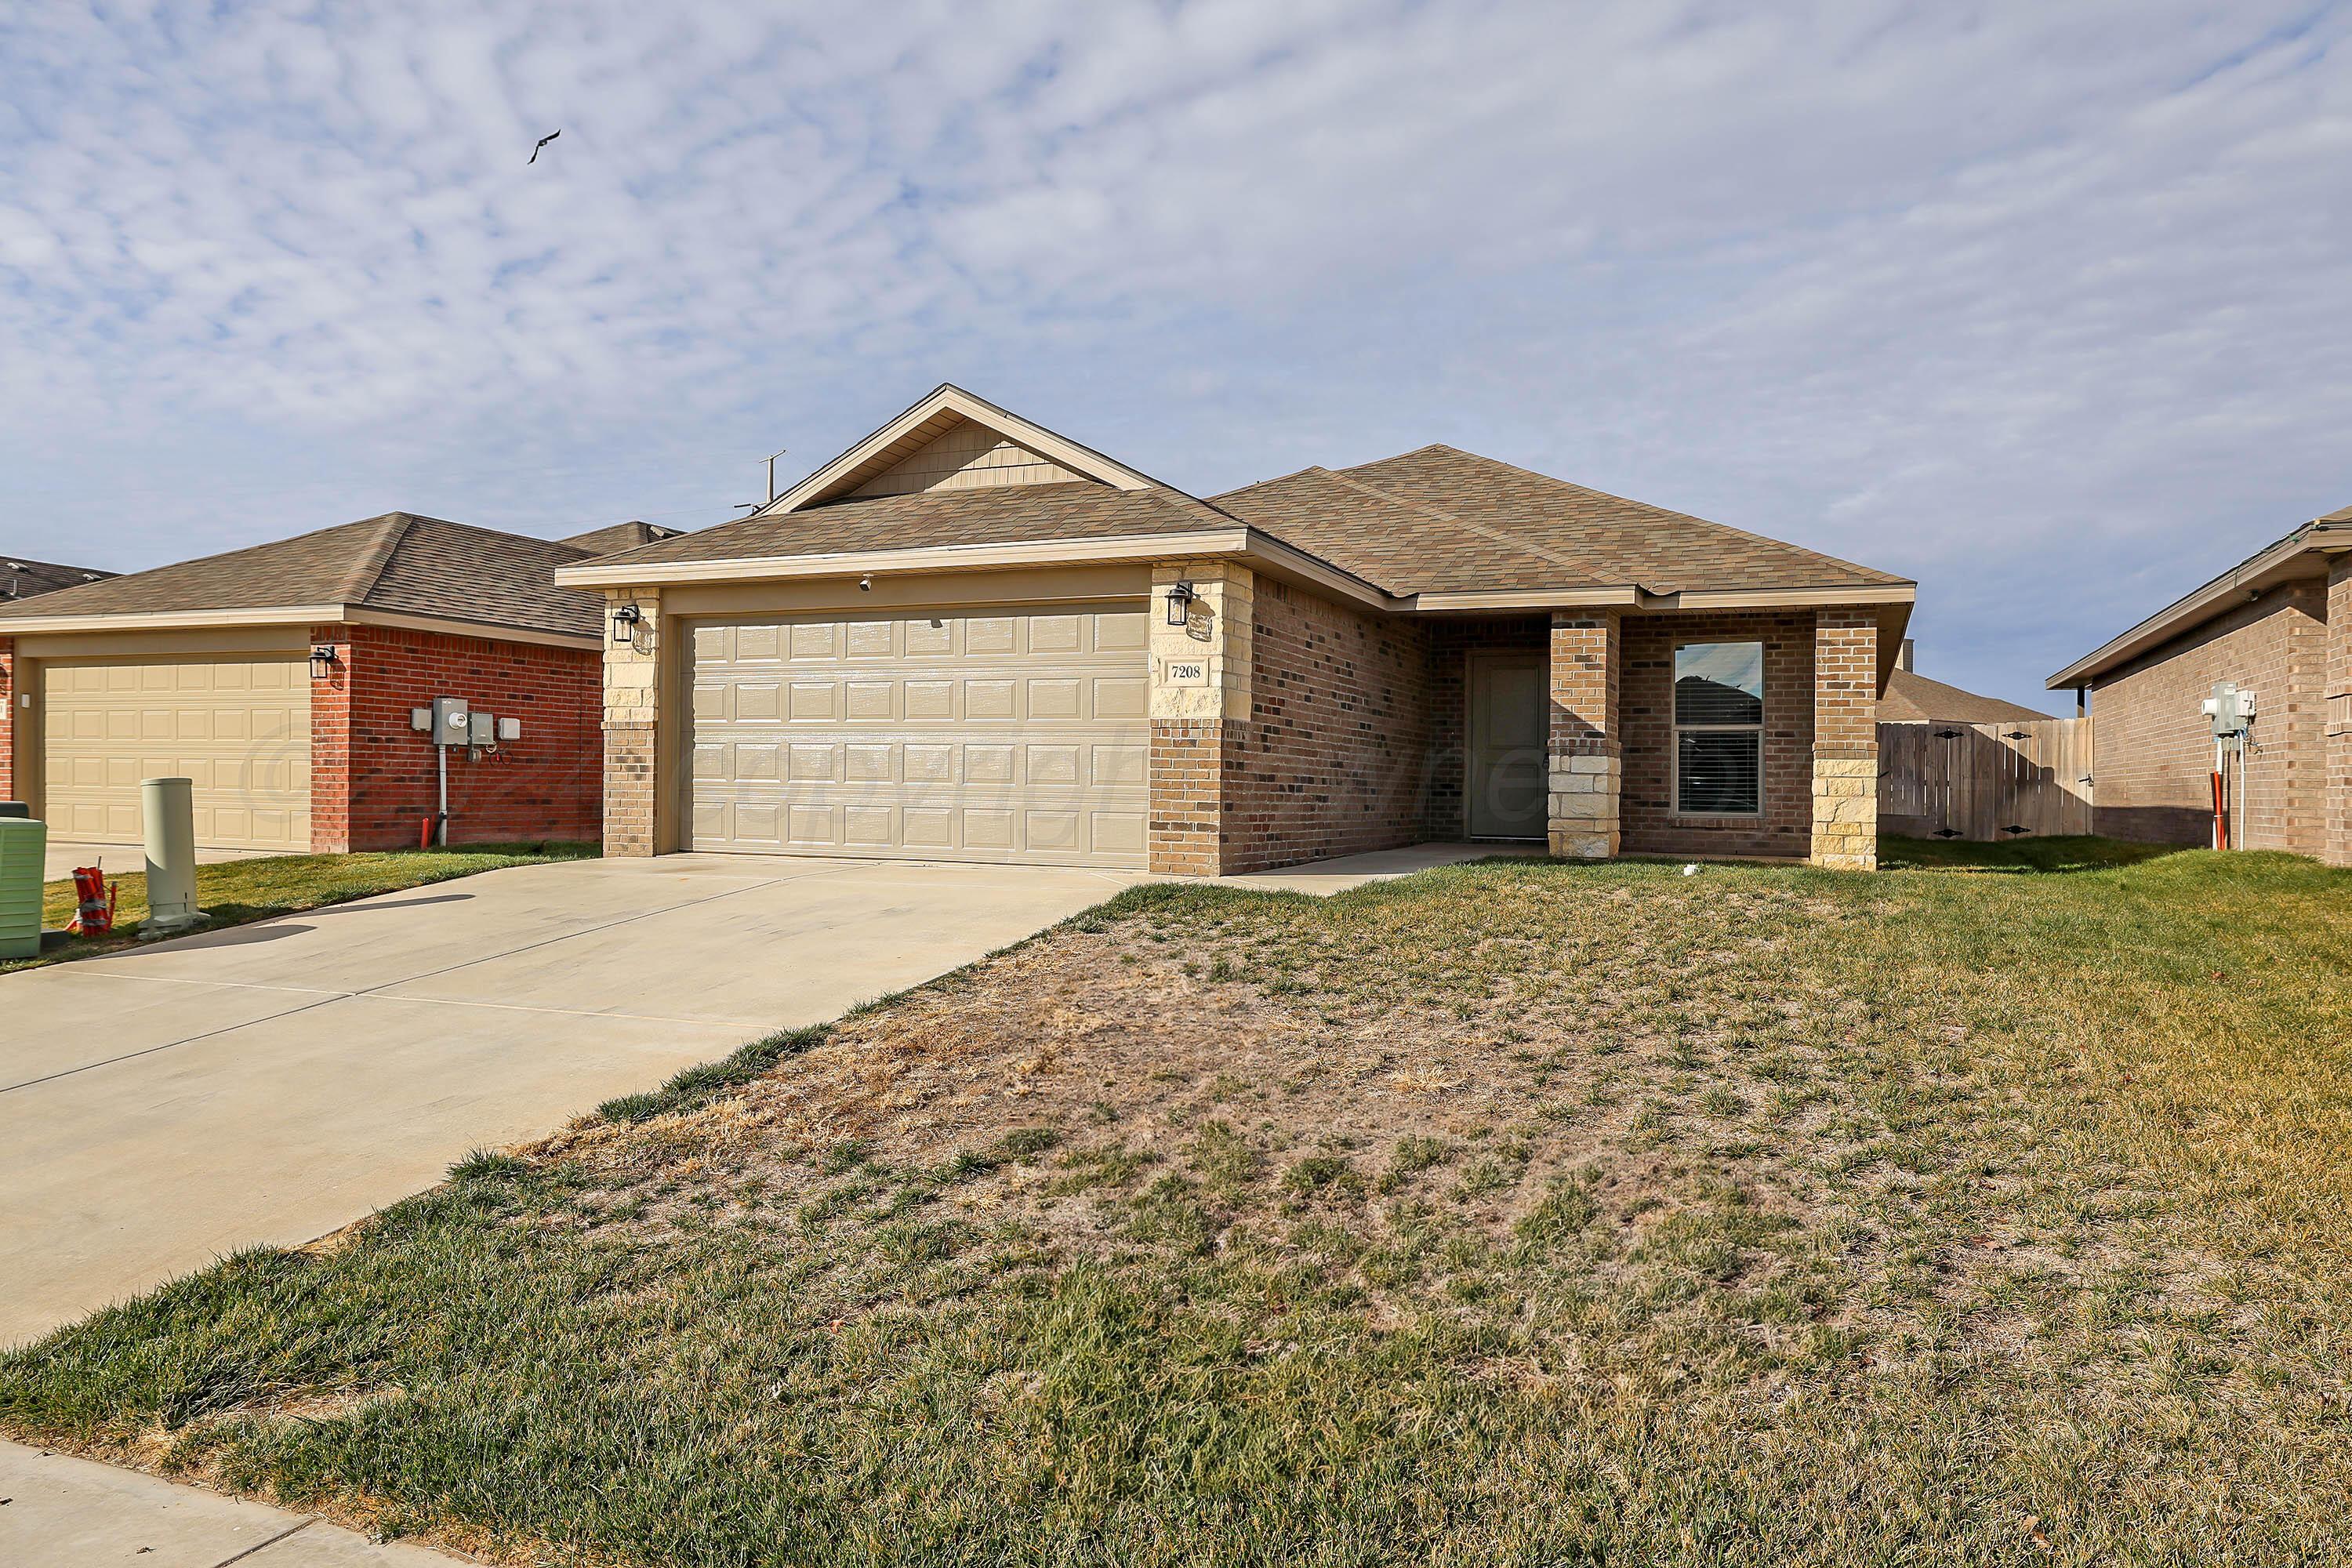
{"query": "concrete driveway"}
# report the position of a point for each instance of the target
(273, 1082)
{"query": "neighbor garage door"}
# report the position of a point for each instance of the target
(241, 728)
(1012, 736)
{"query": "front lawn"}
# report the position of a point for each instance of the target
(1520, 1213)
(233, 893)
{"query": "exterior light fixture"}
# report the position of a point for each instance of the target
(1180, 604)
(625, 620)
(322, 660)
(865, 583)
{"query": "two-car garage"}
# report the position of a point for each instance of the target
(1000, 734)
(237, 725)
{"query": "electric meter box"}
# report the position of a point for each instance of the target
(2231, 709)
(452, 725)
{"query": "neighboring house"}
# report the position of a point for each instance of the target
(970, 638)
(1911, 699)
(281, 680)
(2278, 623)
(22, 579)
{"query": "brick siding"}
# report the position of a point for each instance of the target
(374, 776)
(1334, 759)
(2336, 774)
(1188, 771)
(1651, 825)
(2152, 746)
(8, 704)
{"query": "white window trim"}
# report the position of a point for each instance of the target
(1678, 728)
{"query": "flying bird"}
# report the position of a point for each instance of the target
(542, 142)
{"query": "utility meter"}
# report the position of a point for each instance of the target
(2231, 709)
(452, 725)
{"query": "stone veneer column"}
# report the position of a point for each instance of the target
(2336, 847)
(1588, 768)
(633, 727)
(1200, 698)
(1845, 739)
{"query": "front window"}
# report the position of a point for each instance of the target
(1719, 729)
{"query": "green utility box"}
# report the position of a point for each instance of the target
(24, 846)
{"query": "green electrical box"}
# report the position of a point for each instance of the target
(24, 846)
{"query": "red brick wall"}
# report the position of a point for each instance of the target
(2152, 747)
(1450, 644)
(1646, 717)
(7, 717)
(1335, 757)
(373, 775)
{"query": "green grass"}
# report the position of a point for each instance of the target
(1591, 1214)
(233, 893)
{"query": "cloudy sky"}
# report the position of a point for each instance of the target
(2044, 305)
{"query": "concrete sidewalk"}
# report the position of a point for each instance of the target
(63, 1512)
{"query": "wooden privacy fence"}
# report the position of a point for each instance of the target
(1985, 782)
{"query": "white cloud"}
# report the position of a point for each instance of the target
(2041, 303)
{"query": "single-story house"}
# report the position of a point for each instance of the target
(282, 677)
(1911, 698)
(969, 637)
(2278, 624)
(21, 579)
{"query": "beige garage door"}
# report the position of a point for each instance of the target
(1012, 736)
(239, 727)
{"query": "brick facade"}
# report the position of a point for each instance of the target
(1652, 826)
(8, 706)
(2152, 746)
(1845, 739)
(2335, 778)
(1308, 727)
(374, 776)
(1587, 740)
(631, 722)
(1334, 758)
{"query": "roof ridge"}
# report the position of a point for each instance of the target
(1541, 553)
(367, 572)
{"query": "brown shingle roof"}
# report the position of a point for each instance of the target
(1490, 527)
(619, 536)
(1913, 698)
(1077, 509)
(21, 579)
(399, 561)
(1434, 521)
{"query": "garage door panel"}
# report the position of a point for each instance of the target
(238, 728)
(1005, 736)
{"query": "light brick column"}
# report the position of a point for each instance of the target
(633, 728)
(2335, 846)
(1588, 769)
(1845, 739)
(1200, 678)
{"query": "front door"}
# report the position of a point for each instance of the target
(1505, 771)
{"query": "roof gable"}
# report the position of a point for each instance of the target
(978, 428)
